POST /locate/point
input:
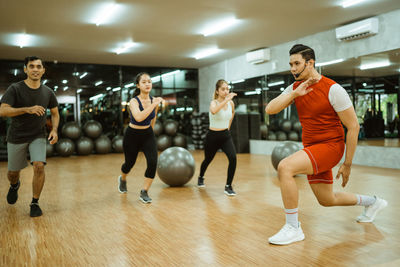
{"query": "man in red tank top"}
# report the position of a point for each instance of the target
(322, 106)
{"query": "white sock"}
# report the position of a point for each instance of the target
(365, 200)
(292, 217)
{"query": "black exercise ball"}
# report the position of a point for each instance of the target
(293, 136)
(92, 129)
(281, 136)
(84, 146)
(49, 149)
(163, 142)
(264, 131)
(171, 127)
(102, 145)
(282, 151)
(117, 144)
(176, 166)
(71, 130)
(65, 147)
(297, 126)
(286, 126)
(179, 140)
(158, 128)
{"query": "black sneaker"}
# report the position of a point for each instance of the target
(35, 210)
(12, 195)
(229, 190)
(200, 182)
(122, 185)
(144, 197)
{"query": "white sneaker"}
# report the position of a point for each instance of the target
(371, 211)
(288, 234)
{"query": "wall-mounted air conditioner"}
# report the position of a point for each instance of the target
(258, 56)
(357, 30)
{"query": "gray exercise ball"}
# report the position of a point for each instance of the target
(293, 136)
(175, 166)
(49, 149)
(286, 126)
(171, 127)
(65, 147)
(297, 126)
(264, 131)
(92, 129)
(179, 140)
(272, 136)
(71, 130)
(102, 145)
(84, 146)
(282, 151)
(158, 128)
(281, 136)
(163, 142)
(117, 144)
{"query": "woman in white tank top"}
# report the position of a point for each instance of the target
(222, 110)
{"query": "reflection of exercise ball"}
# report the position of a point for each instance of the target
(282, 151)
(102, 145)
(117, 144)
(71, 130)
(297, 126)
(65, 147)
(293, 136)
(179, 140)
(84, 146)
(264, 131)
(49, 149)
(176, 166)
(281, 136)
(171, 127)
(158, 128)
(92, 129)
(163, 142)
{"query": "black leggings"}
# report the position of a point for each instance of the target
(136, 140)
(214, 141)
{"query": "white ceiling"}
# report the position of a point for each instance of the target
(168, 32)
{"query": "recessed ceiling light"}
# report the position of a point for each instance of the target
(207, 53)
(219, 26)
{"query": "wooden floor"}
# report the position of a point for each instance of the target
(86, 222)
(387, 142)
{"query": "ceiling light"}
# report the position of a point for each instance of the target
(329, 62)
(346, 84)
(79, 91)
(116, 89)
(98, 83)
(238, 81)
(155, 79)
(275, 83)
(129, 85)
(106, 13)
(95, 97)
(108, 88)
(282, 89)
(252, 93)
(65, 88)
(125, 47)
(170, 73)
(15, 72)
(219, 26)
(45, 81)
(364, 84)
(207, 53)
(23, 40)
(83, 75)
(64, 81)
(377, 64)
(350, 3)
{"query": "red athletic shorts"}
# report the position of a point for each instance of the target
(324, 157)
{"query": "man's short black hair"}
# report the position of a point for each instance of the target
(305, 51)
(32, 58)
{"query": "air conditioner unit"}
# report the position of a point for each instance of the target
(357, 30)
(258, 56)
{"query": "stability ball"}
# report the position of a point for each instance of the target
(65, 147)
(49, 149)
(84, 146)
(158, 128)
(117, 143)
(179, 140)
(281, 136)
(297, 126)
(264, 131)
(286, 126)
(282, 151)
(71, 130)
(102, 145)
(92, 129)
(293, 136)
(171, 127)
(271, 136)
(175, 166)
(163, 142)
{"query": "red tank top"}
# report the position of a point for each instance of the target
(319, 120)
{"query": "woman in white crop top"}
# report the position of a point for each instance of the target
(222, 110)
